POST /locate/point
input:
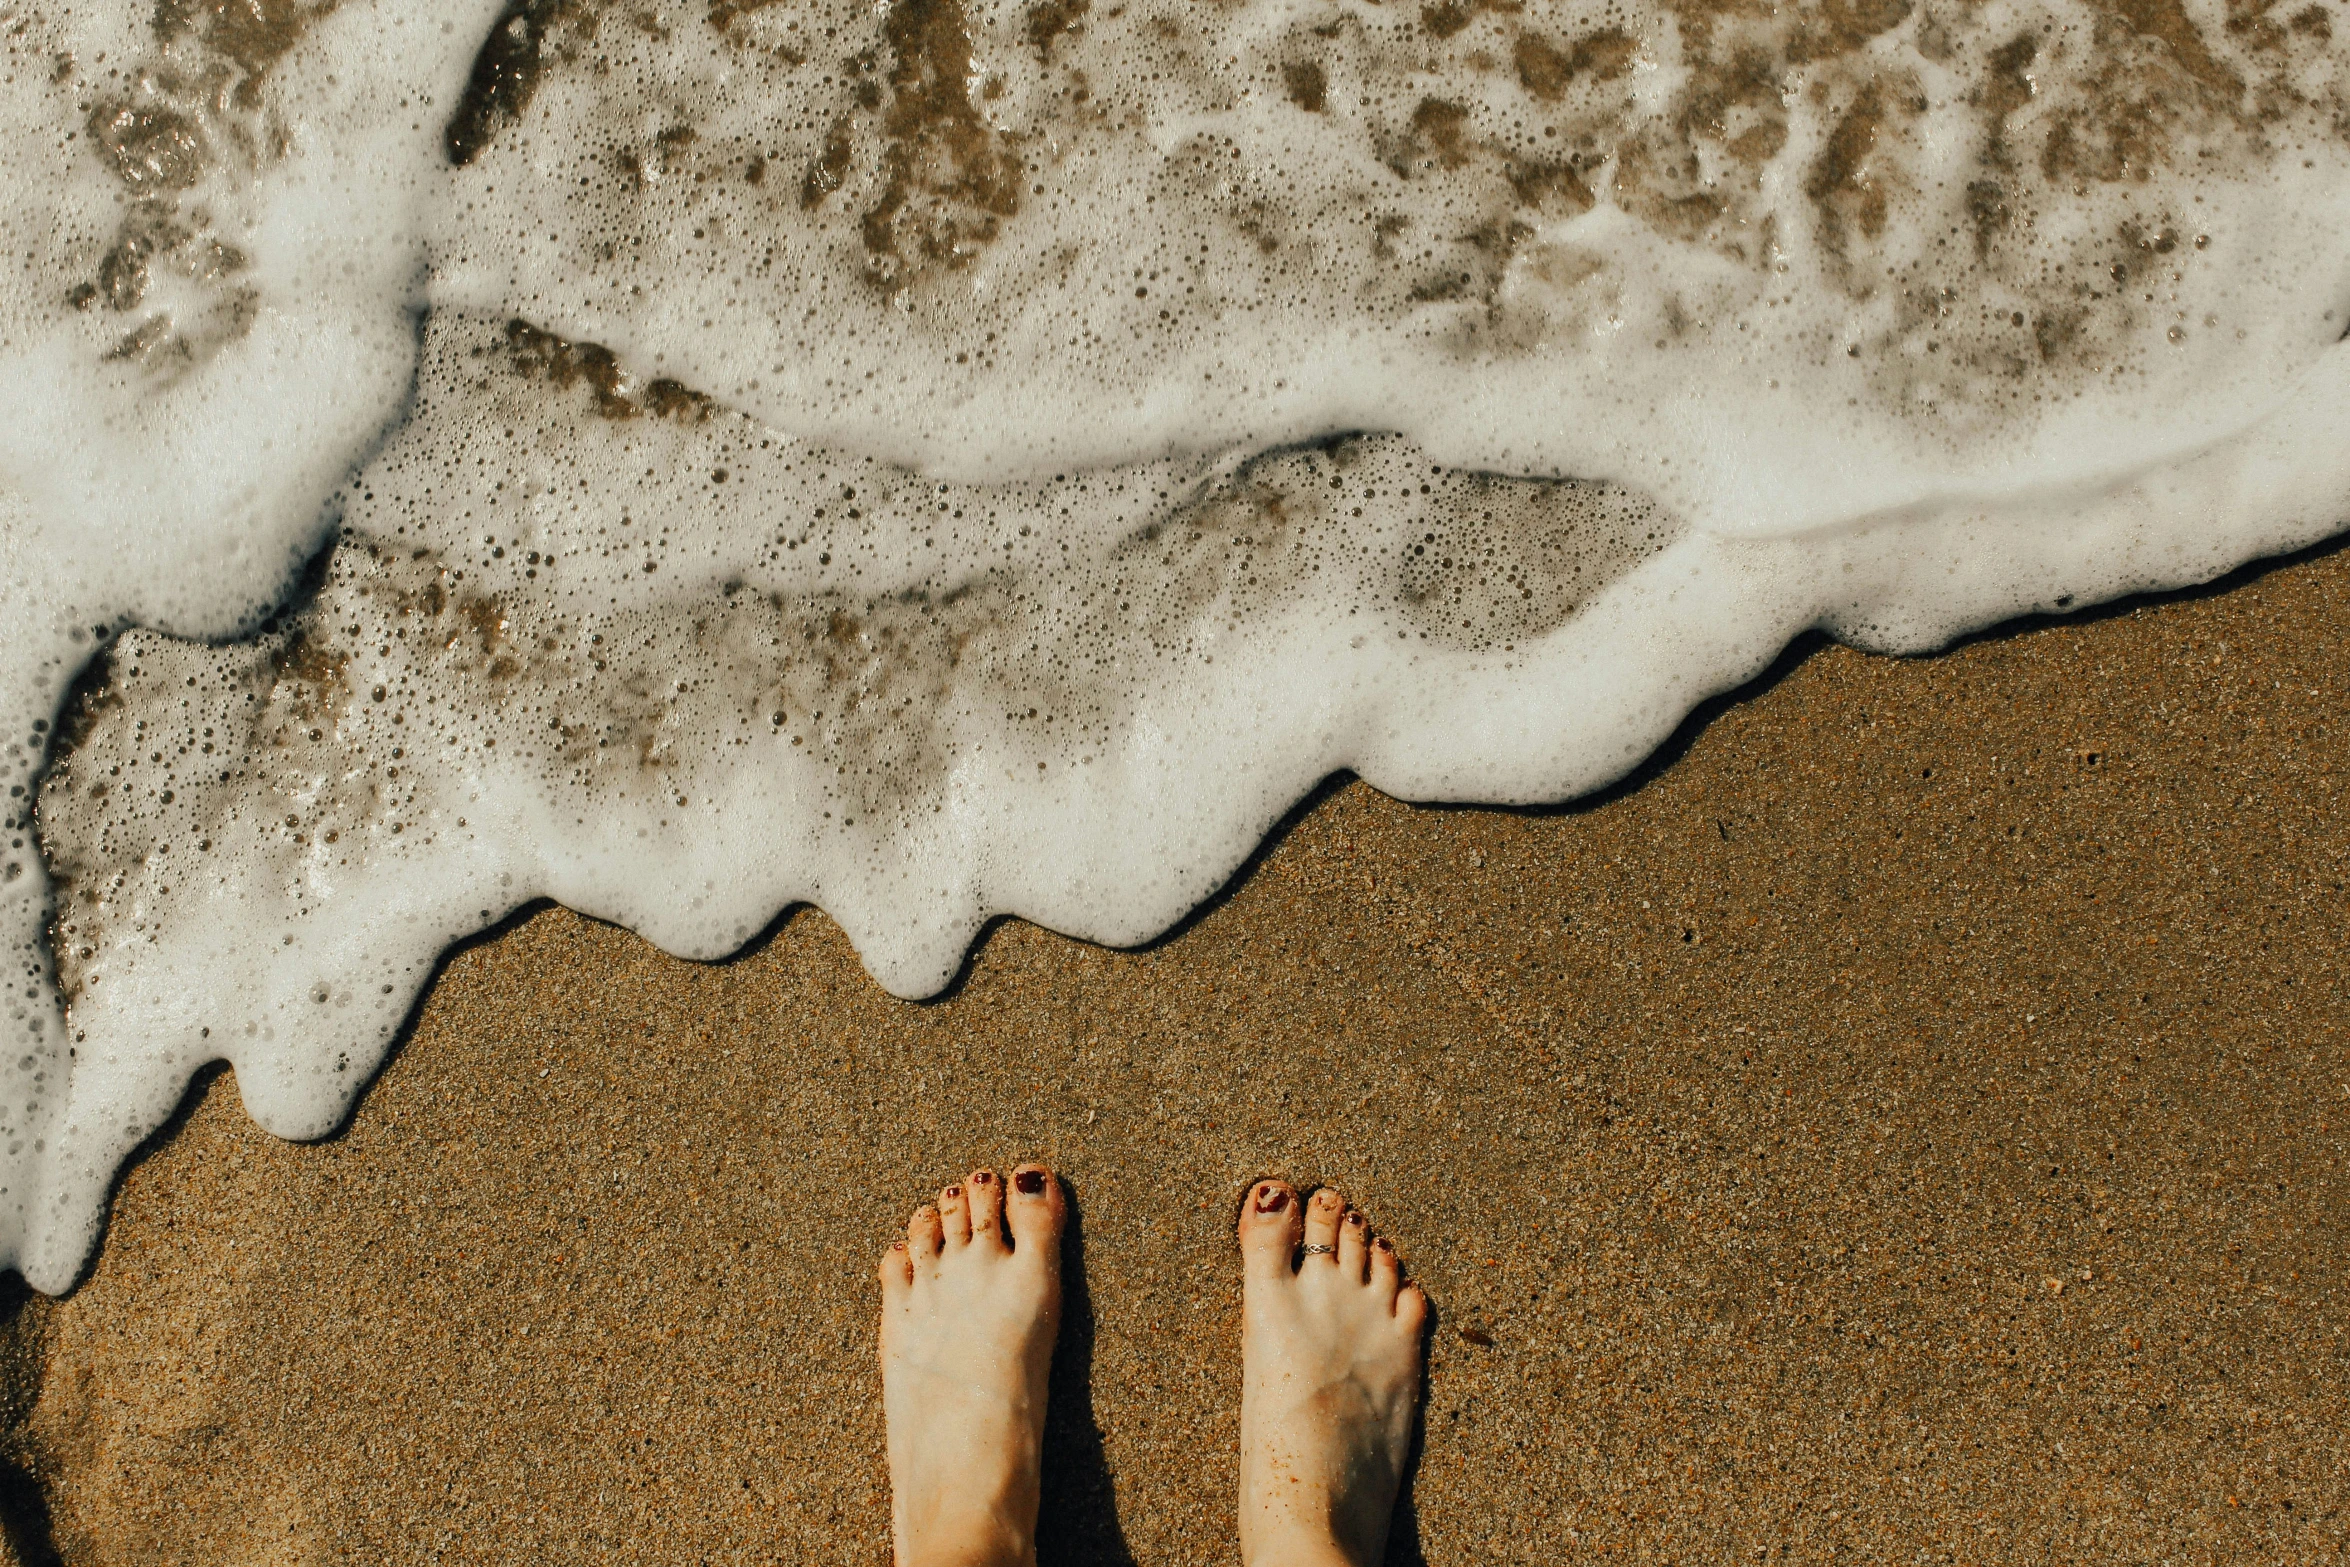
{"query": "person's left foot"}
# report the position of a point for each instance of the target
(970, 1304)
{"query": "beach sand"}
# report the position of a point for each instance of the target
(1907, 1122)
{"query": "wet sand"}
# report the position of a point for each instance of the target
(1906, 1123)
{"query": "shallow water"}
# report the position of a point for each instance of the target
(948, 460)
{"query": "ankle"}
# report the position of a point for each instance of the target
(1001, 1548)
(957, 1533)
(1300, 1545)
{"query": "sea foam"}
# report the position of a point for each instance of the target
(941, 459)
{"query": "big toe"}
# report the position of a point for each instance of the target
(1035, 1211)
(1269, 1228)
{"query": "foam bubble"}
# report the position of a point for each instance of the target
(953, 459)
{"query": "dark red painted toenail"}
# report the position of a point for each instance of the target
(1029, 1181)
(953, 1191)
(981, 1179)
(1384, 1244)
(1272, 1200)
(1355, 1219)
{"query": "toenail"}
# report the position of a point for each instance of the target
(1355, 1219)
(981, 1179)
(1272, 1200)
(1384, 1244)
(952, 1191)
(1029, 1181)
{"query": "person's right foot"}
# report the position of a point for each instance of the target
(1330, 1377)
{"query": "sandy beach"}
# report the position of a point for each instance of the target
(1905, 1122)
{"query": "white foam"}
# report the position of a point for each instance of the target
(206, 320)
(1189, 261)
(897, 554)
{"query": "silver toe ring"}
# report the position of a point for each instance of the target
(1319, 1250)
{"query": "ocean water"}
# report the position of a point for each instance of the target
(940, 459)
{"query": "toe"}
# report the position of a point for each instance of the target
(923, 1235)
(1411, 1308)
(896, 1270)
(1322, 1216)
(1354, 1245)
(954, 1217)
(1034, 1211)
(984, 1201)
(1386, 1269)
(1268, 1229)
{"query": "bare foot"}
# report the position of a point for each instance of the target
(1330, 1376)
(970, 1302)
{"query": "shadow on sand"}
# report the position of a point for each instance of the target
(1078, 1524)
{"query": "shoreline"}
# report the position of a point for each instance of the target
(1752, 1125)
